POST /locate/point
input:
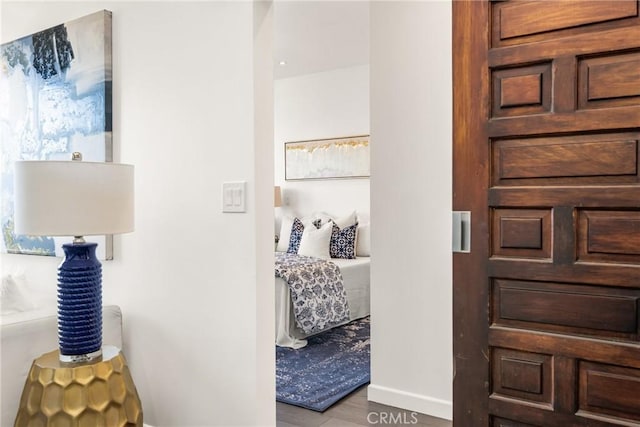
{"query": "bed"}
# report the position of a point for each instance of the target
(355, 276)
(342, 241)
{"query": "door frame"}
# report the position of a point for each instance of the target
(470, 189)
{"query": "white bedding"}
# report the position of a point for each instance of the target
(355, 275)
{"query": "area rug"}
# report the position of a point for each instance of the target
(332, 365)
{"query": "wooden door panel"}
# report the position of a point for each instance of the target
(592, 273)
(527, 21)
(521, 233)
(519, 91)
(566, 308)
(609, 236)
(522, 375)
(612, 41)
(566, 160)
(546, 155)
(609, 80)
(609, 391)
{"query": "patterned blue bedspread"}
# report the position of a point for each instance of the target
(317, 293)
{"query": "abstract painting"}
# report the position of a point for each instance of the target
(327, 158)
(55, 98)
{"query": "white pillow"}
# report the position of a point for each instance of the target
(13, 296)
(363, 217)
(345, 221)
(363, 244)
(285, 233)
(315, 241)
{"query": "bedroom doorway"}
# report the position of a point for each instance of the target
(545, 157)
(321, 92)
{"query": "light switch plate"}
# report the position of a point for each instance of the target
(234, 196)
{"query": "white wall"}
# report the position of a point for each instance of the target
(314, 106)
(187, 278)
(411, 275)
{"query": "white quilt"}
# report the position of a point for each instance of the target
(356, 279)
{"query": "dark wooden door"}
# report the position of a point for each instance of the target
(546, 150)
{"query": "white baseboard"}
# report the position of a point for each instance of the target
(411, 401)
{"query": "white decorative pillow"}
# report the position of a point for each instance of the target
(315, 241)
(285, 233)
(13, 297)
(345, 221)
(363, 244)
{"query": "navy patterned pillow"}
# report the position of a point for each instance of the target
(343, 242)
(296, 235)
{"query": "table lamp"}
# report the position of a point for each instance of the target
(277, 196)
(82, 383)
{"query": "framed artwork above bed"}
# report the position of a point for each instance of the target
(346, 157)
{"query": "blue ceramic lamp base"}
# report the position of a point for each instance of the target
(80, 303)
(79, 385)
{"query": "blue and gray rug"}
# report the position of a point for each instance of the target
(332, 365)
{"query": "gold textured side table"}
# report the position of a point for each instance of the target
(95, 394)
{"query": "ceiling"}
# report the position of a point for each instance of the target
(315, 36)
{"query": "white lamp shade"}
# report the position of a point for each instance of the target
(73, 198)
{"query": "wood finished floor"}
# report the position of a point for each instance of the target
(352, 412)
